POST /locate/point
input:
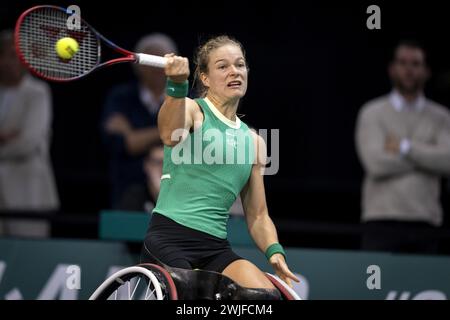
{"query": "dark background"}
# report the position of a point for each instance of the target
(312, 66)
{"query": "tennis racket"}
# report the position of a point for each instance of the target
(39, 28)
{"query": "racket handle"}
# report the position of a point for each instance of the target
(151, 60)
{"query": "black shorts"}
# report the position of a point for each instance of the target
(182, 247)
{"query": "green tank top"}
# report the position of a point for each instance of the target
(204, 174)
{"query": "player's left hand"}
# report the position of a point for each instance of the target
(281, 269)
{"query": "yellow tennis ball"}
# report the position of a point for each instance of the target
(66, 48)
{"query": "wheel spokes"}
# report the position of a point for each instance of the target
(129, 288)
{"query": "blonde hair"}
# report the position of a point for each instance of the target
(201, 58)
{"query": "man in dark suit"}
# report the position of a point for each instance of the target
(129, 126)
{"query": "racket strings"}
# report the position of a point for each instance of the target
(38, 34)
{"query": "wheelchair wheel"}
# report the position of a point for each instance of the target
(142, 282)
(165, 279)
(286, 292)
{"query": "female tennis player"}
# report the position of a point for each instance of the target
(188, 226)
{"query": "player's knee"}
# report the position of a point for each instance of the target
(248, 275)
(265, 283)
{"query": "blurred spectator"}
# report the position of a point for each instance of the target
(26, 177)
(403, 141)
(129, 126)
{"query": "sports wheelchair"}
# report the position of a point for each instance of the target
(158, 281)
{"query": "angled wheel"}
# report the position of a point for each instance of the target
(142, 282)
(287, 292)
(165, 280)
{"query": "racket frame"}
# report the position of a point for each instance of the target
(128, 55)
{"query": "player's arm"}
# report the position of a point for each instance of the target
(253, 197)
(177, 115)
(260, 225)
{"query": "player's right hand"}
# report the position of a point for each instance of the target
(177, 68)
